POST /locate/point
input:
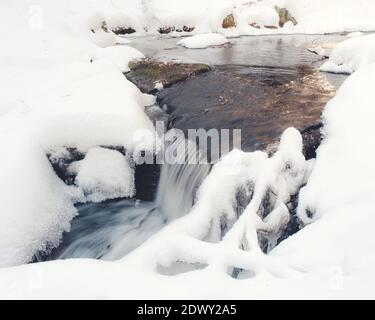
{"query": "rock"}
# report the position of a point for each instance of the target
(271, 27)
(229, 22)
(123, 30)
(166, 30)
(146, 73)
(146, 181)
(262, 104)
(285, 16)
(105, 26)
(188, 29)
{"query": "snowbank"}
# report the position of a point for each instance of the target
(63, 90)
(36, 206)
(351, 54)
(329, 16)
(337, 202)
(203, 41)
(254, 17)
(120, 56)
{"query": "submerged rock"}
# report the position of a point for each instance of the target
(145, 74)
(285, 16)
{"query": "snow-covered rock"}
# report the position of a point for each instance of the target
(105, 174)
(351, 54)
(203, 41)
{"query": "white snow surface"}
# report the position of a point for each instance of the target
(58, 89)
(202, 41)
(350, 55)
(62, 86)
(105, 174)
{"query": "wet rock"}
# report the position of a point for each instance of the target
(255, 25)
(167, 30)
(105, 26)
(261, 102)
(311, 140)
(271, 27)
(146, 181)
(229, 22)
(61, 163)
(146, 73)
(285, 16)
(123, 30)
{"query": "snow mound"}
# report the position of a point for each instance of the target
(120, 56)
(36, 206)
(105, 174)
(351, 54)
(337, 203)
(329, 16)
(203, 41)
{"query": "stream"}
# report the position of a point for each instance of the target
(260, 85)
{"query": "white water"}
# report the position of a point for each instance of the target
(179, 182)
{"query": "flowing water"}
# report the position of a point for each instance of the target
(110, 230)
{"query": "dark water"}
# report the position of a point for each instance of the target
(109, 230)
(248, 89)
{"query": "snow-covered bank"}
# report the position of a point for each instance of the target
(58, 89)
(328, 16)
(351, 54)
(338, 199)
(254, 17)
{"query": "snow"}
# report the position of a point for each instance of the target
(351, 55)
(313, 16)
(105, 174)
(337, 202)
(62, 86)
(120, 56)
(36, 206)
(330, 258)
(329, 16)
(61, 91)
(203, 41)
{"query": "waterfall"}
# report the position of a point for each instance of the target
(179, 182)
